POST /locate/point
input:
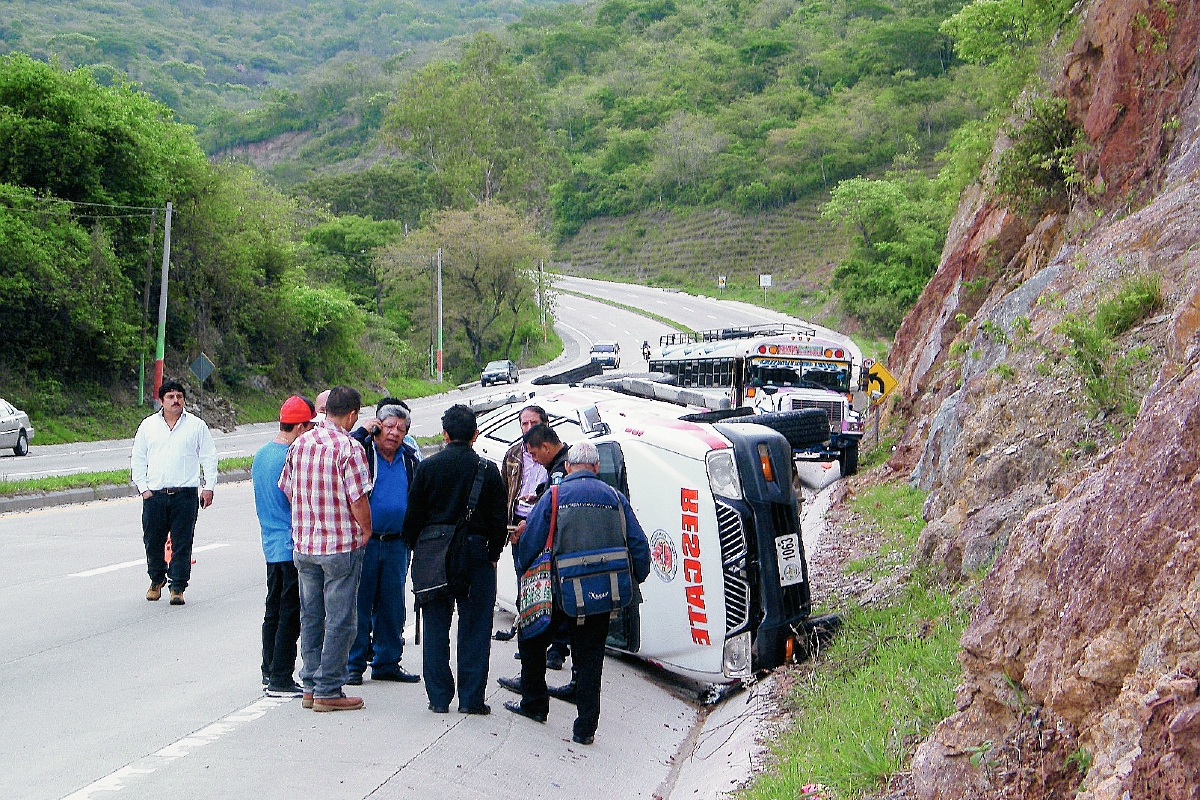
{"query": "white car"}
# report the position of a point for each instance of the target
(607, 354)
(728, 592)
(16, 432)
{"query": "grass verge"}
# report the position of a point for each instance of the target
(93, 479)
(861, 706)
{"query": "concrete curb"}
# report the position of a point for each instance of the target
(87, 494)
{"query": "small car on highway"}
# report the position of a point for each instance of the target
(607, 354)
(497, 371)
(16, 432)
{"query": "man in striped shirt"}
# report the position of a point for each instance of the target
(328, 481)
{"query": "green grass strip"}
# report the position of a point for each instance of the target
(670, 323)
(82, 480)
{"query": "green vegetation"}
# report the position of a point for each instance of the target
(116, 477)
(863, 703)
(1112, 378)
(1038, 171)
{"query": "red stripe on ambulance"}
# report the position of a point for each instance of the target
(689, 502)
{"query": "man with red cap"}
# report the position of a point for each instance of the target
(281, 622)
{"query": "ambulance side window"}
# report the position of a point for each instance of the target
(612, 466)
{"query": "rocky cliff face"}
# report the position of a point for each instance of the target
(1081, 660)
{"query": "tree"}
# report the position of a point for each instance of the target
(685, 147)
(488, 254)
(350, 240)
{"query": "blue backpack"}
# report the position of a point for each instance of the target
(592, 569)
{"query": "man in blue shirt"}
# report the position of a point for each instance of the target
(393, 460)
(281, 622)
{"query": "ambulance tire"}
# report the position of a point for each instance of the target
(802, 427)
(723, 415)
(573, 375)
(848, 460)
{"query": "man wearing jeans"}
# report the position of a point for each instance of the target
(170, 450)
(328, 481)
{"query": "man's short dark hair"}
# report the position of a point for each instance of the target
(541, 412)
(458, 422)
(342, 400)
(170, 386)
(542, 434)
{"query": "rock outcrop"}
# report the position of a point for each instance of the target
(1081, 659)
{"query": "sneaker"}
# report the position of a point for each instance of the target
(176, 598)
(554, 659)
(284, 690)
(519, 710)
(342, 703)
(399, 675)
(155, 590)
(306, 700)
(355, 679)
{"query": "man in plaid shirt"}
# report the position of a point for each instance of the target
(327, 480)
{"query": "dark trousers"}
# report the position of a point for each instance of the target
(173, 514)
(281, 624)
(587, 646)
(474, 640)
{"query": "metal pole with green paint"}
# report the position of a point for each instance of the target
(161, 346)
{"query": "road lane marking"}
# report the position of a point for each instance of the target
(117, 780)
(139, 563)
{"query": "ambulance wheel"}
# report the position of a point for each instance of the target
(848, 460)
(802, 427)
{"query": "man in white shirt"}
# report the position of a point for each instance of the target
(169, 451)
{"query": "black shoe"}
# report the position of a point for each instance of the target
(565, 692)
(512, 684)
(439, 709)
(399, 676)
(481, 710)
(516, 708)
(355, 679)
(577, 739)
(284, 690)
(554, 659)
(504, 636)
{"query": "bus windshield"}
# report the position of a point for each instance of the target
(799, 374)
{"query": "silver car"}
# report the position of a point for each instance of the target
(497, 371)
(15, 430)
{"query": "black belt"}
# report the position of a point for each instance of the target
(175, 490)
(390, 536)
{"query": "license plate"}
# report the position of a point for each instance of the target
(787, 553)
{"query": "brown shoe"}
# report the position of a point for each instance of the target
(176, 598)
(155, 590)
(337, 703)
(306, 700)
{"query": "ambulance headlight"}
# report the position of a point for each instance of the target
(723, 474)
(736, 659)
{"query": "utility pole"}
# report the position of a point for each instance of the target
(542, 296)
(146, 308)
(161, 348)
(439, 315)
(432, 354)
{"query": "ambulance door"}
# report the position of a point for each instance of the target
(624, 630)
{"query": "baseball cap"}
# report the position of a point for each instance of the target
(295, 409)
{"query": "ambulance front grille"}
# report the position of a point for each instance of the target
(732, 533)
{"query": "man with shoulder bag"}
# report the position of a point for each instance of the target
(600, 553)
(456, 527)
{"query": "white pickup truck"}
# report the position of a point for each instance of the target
(728, 593)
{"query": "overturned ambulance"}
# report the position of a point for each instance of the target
(728, 592)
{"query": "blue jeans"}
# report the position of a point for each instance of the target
(328, 618)
(380, 608)
(474, 637)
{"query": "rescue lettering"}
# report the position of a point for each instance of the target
(689, 506)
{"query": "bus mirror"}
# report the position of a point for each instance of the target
(860, 402)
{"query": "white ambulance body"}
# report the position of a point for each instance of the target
(728, 591)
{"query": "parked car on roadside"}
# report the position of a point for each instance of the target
(497, 371)
(607, 354)
(15, 429)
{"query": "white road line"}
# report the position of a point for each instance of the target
(139, 563)
(146, 765)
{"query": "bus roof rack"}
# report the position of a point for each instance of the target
(739, 332)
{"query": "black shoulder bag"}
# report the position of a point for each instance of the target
(438, 559)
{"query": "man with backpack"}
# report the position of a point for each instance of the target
(589, 516)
